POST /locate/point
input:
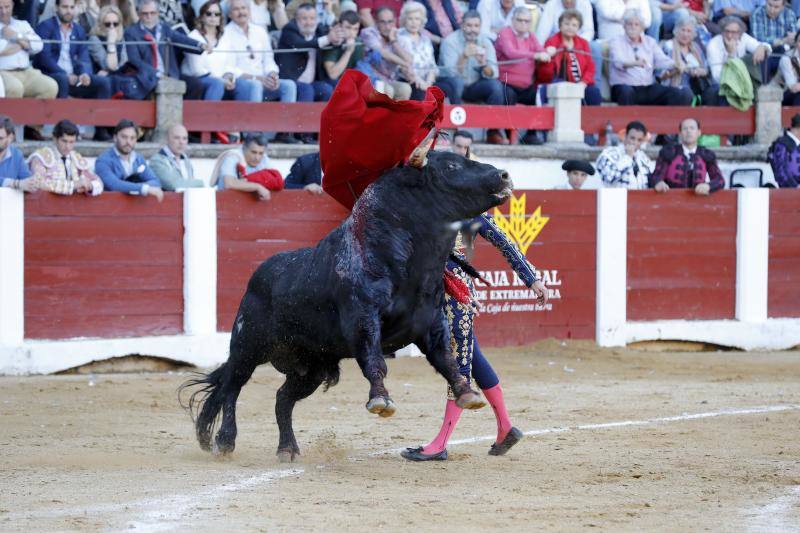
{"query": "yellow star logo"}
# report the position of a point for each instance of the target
(519, 227)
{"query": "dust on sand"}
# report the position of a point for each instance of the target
(121, 454)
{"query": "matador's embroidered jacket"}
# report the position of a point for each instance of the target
(460, 316)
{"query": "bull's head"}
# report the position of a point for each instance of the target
(462, 187)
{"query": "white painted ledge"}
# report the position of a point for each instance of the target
(772, 334)
(45, 357)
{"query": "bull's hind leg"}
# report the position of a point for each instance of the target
(294, 389)
(232, 385)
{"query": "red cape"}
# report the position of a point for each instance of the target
(363, 133)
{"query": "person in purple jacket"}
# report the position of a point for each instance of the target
(784, 156)
(687, 165)
(122, 169)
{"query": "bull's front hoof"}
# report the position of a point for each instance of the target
(470, 400)
(286, 455)
(389, 410)
(379, 405)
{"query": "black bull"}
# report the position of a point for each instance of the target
(371, 286)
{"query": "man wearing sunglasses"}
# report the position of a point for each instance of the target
(68, 62)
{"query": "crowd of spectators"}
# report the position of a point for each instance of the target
(58, 168)
(499, 52)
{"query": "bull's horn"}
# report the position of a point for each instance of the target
(419, 157)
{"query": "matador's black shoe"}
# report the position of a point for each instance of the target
(415, 454)
(513, 437)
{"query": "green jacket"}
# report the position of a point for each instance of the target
(170, 177)
(735, 84)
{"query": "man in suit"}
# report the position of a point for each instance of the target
(171, 164)
(303, 67)
(66, 62)
(306, 173)
(162, 56)
(122, 169)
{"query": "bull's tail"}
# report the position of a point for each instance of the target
(205, 403)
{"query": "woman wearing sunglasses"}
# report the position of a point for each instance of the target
(110, 58)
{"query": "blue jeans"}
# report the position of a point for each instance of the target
(318, 91)
(655, 20)
(669, 18)
(99, 87)
(487, 90)
(246, 91)
(286, 92)
(213, 88)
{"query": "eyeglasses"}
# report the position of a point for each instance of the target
(111, 24)
(386, 21)
(527, 21)
(213, 13)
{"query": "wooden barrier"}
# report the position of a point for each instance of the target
(80, 111)
(206, 116)
(784, 254)
(786, 115)
(249, 231)
(681, 255)
(665, 119)
(563, 251)
(304, 117)
(110, 266)
(111, 269)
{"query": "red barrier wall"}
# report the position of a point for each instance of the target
(681, 255)
(103, 267)
(250, 231)
(784, 254)
(564, 250)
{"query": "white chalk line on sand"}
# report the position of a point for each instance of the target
(775, 517)
(624, 423)
(168, 512)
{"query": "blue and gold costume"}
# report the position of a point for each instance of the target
(470, 359)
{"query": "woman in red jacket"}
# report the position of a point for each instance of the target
(571, 57)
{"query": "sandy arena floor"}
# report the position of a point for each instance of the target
(618, 440)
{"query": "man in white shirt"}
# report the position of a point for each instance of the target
(626, 166)
(611, 12)
(733, 42)
(548, 22)
(18, 42)
(496, 15)
(249, 52)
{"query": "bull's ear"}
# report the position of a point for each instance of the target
(410, 176)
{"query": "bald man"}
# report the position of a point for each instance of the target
(172, 165)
